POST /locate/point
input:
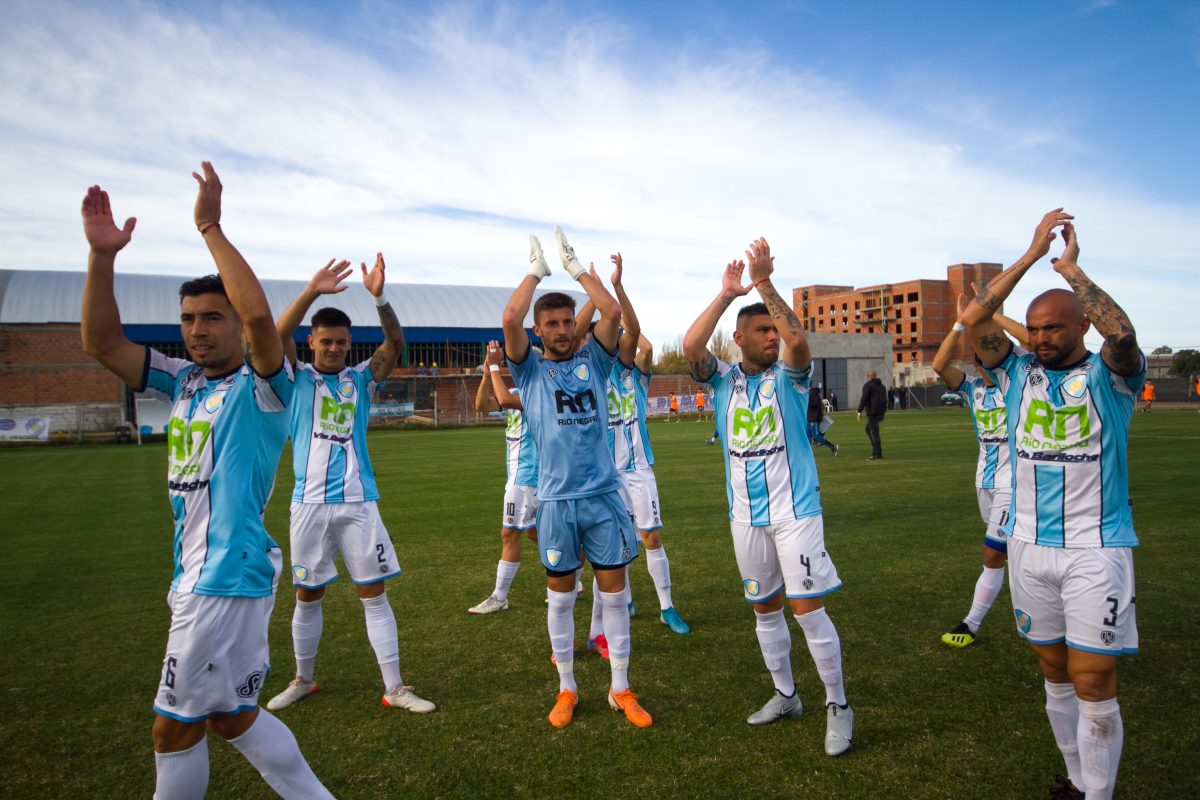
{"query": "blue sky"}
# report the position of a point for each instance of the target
(869, 142)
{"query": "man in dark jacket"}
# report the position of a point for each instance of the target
(874, 402)
(816, 415)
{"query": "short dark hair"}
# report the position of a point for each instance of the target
(552, 301)
(752, 310)
(209, 284)
(330, 317)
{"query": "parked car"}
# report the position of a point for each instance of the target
(952, 399)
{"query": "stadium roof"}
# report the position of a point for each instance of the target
(44, 296)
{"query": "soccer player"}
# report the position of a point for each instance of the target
(816, 416)
(1148, 394)
(700, 401)
(629, 444)
(1071, 525)
(226, 432)
(771, 483)
(993, 478)
(673, 408)
(335, 502)
(520, 491)
(579, 506)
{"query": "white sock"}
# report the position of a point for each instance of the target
(1063, 711)
(560, 622)
(660, 571)
(1101, 738)
(381, 631)
(597, 627)
(272, 749)
(579, 580)
(990, 582)
(182, 775)
(826, 650)
(775, 641)
(307, 623)
(505, 572)
(616, 631)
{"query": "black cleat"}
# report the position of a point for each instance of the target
(1063, 789)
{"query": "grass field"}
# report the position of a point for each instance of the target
(86, 537)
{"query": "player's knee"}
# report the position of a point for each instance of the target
(368, 590)
(171, 735)
(510, 536)
(993, 559)
(651, 540)
(770, 605)
(1094, 683)
(232, 725)
(805, 605)
(306, 595)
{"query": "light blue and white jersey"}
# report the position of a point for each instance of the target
(329, 419)
(628, 439)
(522, 462)
(565, 408)
(990, 418)
(1068, 431)
(223, 444)
(763, 422)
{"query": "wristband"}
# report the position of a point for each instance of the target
(493, 368)
(958, 326)
(205, 229)
(760, 280)
(381, 301)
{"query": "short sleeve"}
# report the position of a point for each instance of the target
(366, 379)
(273, 392)
(720, 374)
(800, 379)
(601, 359)
(522, 372)
(163, 376)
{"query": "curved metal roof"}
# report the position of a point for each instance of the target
(44, 296)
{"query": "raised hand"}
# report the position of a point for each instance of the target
(495, 354)
(1070, 256)
(208, 199)
(760, 260)
(731, 281)
(373, 280)
(962, 303)
(1044, 235)
(327, 278)
(98, 225)
(617, 267)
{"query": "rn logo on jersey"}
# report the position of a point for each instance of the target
(300, 573)
(346, 388)
(581, 371)
(250, 686)
(766, 389)
(186, 439)
(575, 404)
(553, 556)
(334, 415)
(1024, 622)
(214, 401)
(1075, 386)
(752, 587)
(1050, 428)
(753, 428)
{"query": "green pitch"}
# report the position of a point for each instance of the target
(87, 560)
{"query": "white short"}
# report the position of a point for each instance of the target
(993, 510)
(319, 531)
(520, 507)
(639, 490)
(1083, 596)
(790, 554)
(217, 655)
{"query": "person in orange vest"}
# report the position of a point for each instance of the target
(673, 409)
(700, 401)
(1148, 395)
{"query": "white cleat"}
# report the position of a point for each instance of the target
(405, 699)
(489, 605)
(567, 253)
(537, 262)
(839, 729)
(296, 691)
(776, 709)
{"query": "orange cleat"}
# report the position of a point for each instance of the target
(627, 701)
(564, 709)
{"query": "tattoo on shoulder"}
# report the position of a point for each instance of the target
(705, 367)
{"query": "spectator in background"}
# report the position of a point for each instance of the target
(874, 401)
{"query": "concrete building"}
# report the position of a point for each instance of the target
(914, 315)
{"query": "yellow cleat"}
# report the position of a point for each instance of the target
(959, 636)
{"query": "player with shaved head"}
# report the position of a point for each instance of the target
(761, 408)
(1071, 523)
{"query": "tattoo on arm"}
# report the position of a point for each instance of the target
(781, 312)
(391, 325)
(988, 299)
(705, 367)
(1120, 349)
(993, 342)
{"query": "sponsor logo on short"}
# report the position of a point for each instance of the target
(553, 556)
(250, 686)
(300, 572)
(1108, 637)
(214, 401)
(626, 554)
(752, 587)
(808, 584)
(1024, 621)
(170, 698)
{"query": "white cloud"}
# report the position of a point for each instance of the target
(330, 147)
